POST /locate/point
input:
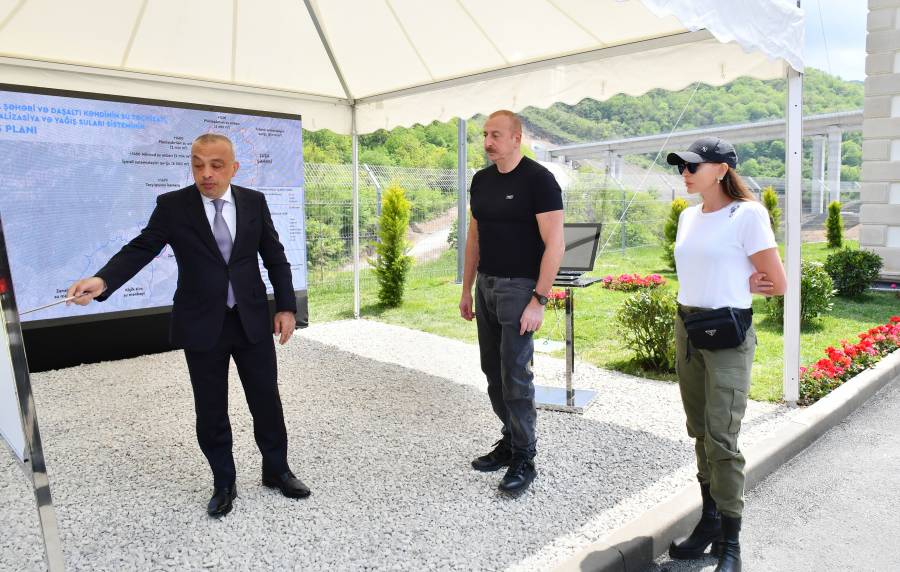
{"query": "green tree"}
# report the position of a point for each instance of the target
(670, 231)
(392, 263)
(453, 235)
(851, 153)
(325, 146)
(751, 168)
(375, 156)
(834, 226)
(324, 245)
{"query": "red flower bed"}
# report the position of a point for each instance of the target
(557, 299)
(631, 282)
(819, 379)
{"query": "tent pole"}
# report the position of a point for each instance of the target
(461, 213)
(355, 174)
(793, 205)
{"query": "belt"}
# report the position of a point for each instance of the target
(694, 309)
(691, 309)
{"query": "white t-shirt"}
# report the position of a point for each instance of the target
(712, 253)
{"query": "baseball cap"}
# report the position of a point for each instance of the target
(706, 150)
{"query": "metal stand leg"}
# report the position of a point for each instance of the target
(566, 399)
(570, 347)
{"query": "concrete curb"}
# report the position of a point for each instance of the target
(635, 545)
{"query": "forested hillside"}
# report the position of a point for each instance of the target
(741, 101)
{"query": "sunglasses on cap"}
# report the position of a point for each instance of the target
(691, 168)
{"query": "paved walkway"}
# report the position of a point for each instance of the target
(834, 507)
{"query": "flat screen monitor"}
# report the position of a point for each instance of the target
(581, 246)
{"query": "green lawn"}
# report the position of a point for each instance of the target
(431, 305)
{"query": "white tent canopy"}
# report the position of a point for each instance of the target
(398, 62)
(355, 66)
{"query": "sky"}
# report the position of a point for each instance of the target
(844, 24)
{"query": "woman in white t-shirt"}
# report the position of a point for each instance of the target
(724, 252)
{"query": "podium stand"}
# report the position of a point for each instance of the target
(567, 399)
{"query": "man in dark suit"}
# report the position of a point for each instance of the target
(220, 310)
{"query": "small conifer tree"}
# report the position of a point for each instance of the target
(770, 201)
(670, 231)
(392, 263)
(834, 226)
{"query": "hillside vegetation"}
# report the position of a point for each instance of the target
(741, 101)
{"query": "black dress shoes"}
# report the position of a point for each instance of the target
(290, 485)
(496, 459)
(518, 476)
(220, 503)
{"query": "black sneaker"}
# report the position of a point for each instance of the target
(496, 459)
(519, 475)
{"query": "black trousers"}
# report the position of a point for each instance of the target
(506, 357)
(257, 368)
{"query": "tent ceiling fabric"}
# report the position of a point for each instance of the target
(676, 67)
(403, 61)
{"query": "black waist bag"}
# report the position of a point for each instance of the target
(717, 329)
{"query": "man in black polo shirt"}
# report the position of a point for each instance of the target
(515, 242)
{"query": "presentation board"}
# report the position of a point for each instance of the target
(81, 173)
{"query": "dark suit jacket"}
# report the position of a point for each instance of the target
(198, 310)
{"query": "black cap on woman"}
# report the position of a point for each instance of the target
(708, 169)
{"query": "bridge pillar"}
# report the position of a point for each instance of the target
(817, 197)
(835, 138)
(617, 167)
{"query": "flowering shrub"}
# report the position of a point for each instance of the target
(817, 380)
(557, 299)
(632, 282)
(646, 321)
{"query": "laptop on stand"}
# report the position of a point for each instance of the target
(582, 240)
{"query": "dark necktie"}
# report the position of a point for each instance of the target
(223, 239)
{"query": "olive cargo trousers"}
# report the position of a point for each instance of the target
(714, 386)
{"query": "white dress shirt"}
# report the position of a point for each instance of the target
(229, 211)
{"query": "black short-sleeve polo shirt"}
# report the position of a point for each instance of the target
(504, 205)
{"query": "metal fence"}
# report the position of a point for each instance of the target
(633, 209)
(329, 213)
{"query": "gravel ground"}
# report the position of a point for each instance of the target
(382, 423)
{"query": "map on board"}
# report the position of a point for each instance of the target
(80, 178)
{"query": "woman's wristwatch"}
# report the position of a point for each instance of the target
(542, 300)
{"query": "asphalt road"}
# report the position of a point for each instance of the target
(836, 506)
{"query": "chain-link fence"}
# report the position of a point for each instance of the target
(432, 194)
(633, 209)
(815, 199)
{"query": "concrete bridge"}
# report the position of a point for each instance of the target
(826, 130)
